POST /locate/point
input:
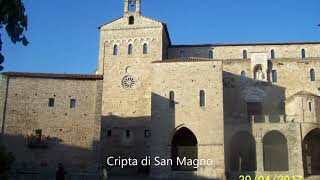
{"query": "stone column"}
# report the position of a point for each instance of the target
(126, 7)
(259, 153)
(138, 4)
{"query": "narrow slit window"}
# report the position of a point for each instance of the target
(210, 55)
(310, 106)
(73, 103)
(312, 75)
(245, 54)
(273, 56)
(202, 98)
(115, 50)
(171, 99)
(274, 76)
(128, 133)
(130, 49)
(51, 102)
(145, 48)
(303, 53)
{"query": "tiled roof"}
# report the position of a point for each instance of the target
(189, 59)
(55, 76)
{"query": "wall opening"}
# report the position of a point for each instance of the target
(129, 49)
(210, 55)
(244, 54)
(274, 76)
(171, 99)
(303, 53)
(202, 98)
(275, 152)
(184, 145)
(273, 56)
(311, 153)
(145, 48)
(131, 20)
(312, 75)
(243, 152)
(115, 50)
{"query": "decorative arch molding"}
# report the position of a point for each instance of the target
(253, 94)
(140, 39)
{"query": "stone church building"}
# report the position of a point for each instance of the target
(254, 109)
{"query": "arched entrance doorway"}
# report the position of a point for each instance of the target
(275, 152)
(311, 153)
(183, 145)
(243, 152)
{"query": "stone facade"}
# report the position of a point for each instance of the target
(251, 108)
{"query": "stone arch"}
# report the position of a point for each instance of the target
(184, 144)
(275, 152)
(311, 153)
(243, 152)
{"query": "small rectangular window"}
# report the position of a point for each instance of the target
(128, 133)
(73, 103)
(146, 133)
(51, 102)
(109, 133)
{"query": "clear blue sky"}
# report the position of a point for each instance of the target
(64, 37)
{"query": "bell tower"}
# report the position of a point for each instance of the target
(132, 7)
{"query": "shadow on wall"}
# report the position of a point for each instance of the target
(37, 160)
(247, 101)
(123, 138)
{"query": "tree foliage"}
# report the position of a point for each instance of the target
(14, 20)
(6, 160)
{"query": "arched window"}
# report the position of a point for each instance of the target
(145, 48)
(274, 76)
(312, 75)
(130, 49)
(171, 99)
(310, 106)
(210, 55)
(275, 152)
(244, 54)
(115, 50)
(243, 152)
(243, 74)
(184, 144)
(273, 56)
(202, 98)
(303, 53)
(131, 20)
(310, 153)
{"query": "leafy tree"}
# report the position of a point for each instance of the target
(13, 18)
(6, 160)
